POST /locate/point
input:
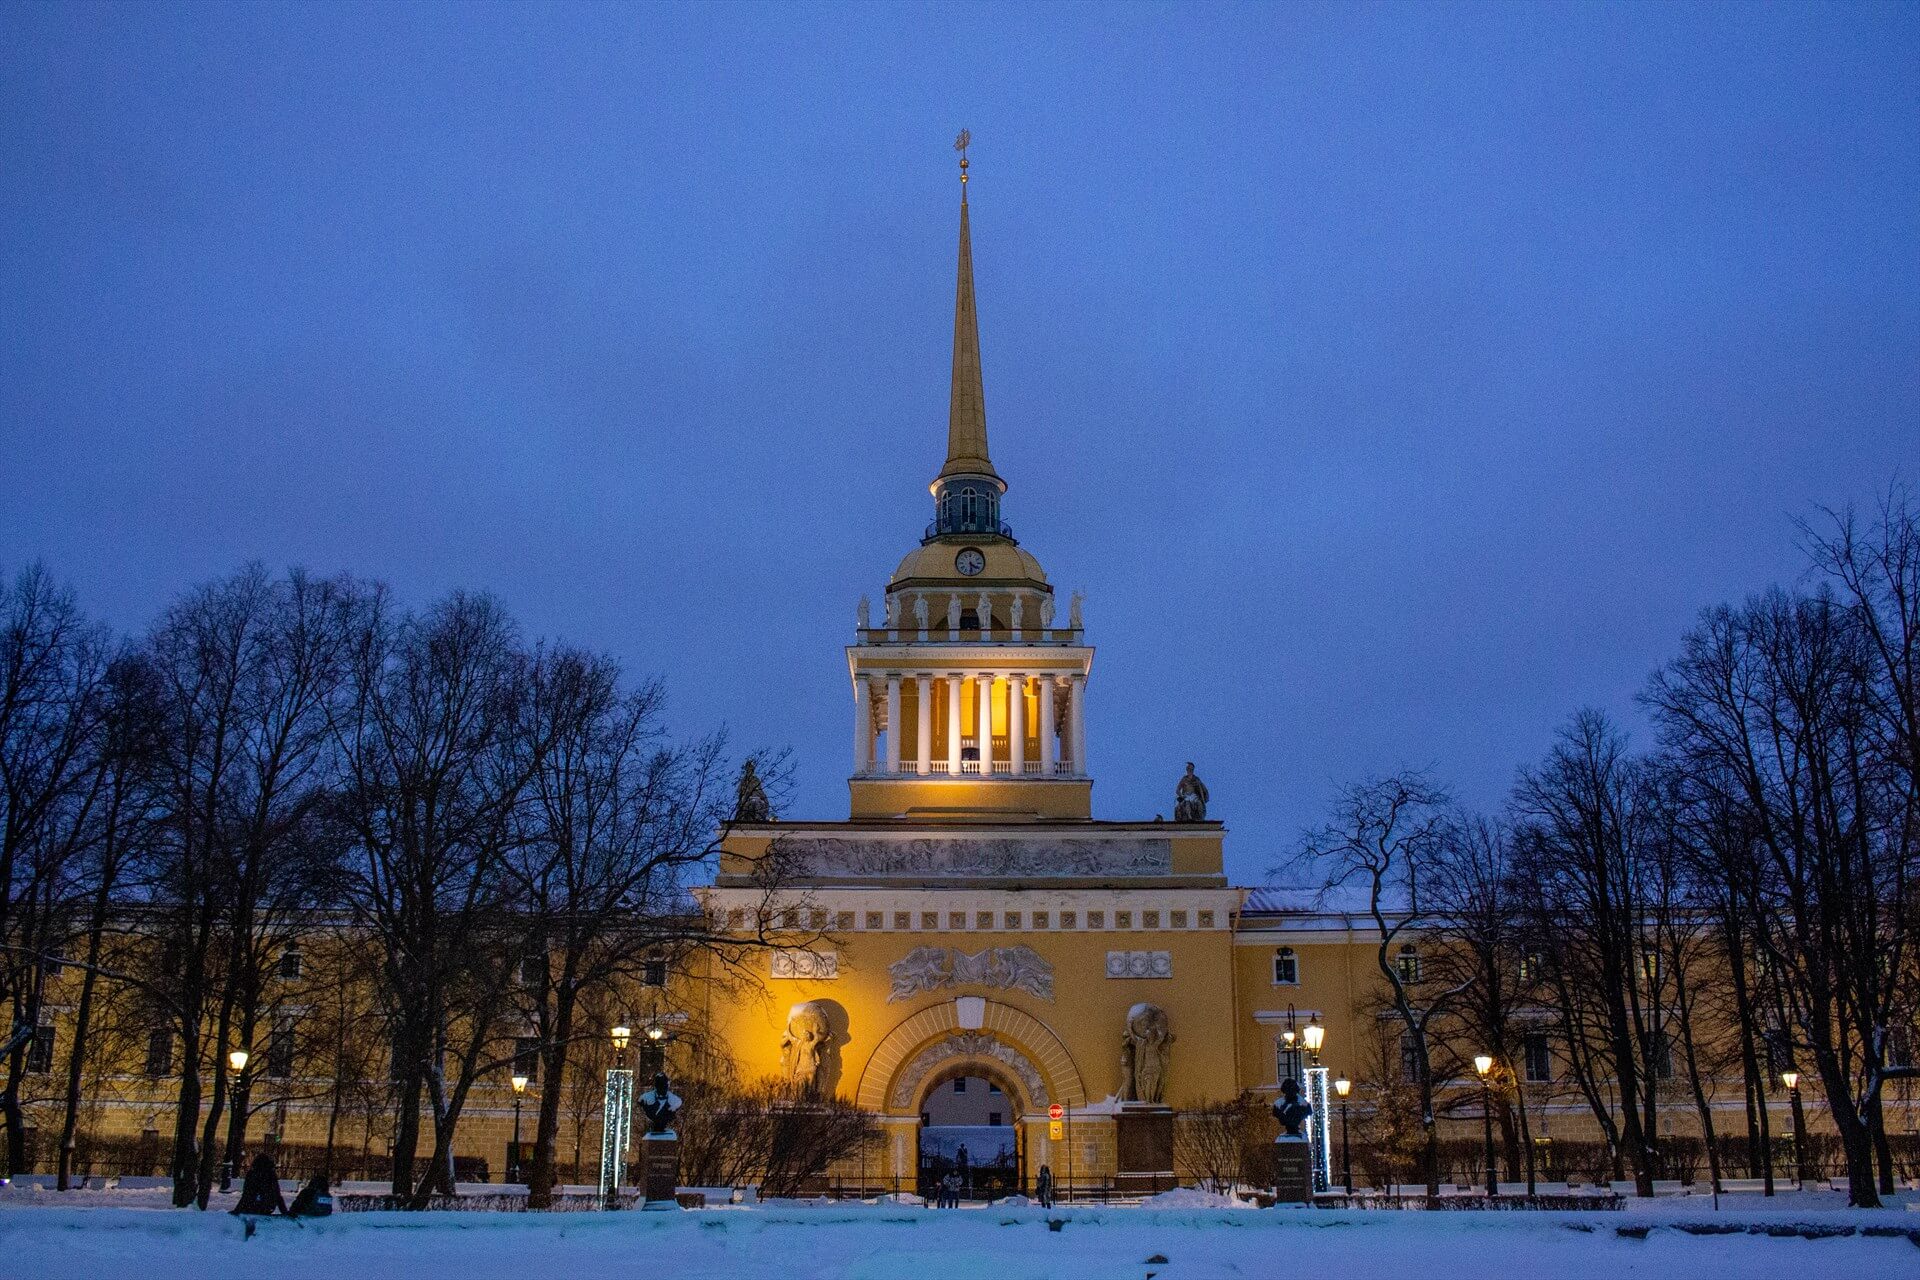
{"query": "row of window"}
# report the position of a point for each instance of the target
(1286, 965)
(903, 921)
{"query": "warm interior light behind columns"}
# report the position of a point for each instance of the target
(621, 1035)
(237, 1059)
(1342, 1086)
(1315, 1035)
(1482, 1063)
(1791, 1079)
(519, 1083)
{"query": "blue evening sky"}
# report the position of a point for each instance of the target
(1394, 379)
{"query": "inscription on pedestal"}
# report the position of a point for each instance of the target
(1292, 1172)
(660, 1168)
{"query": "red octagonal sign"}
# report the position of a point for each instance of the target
(1055, 1111)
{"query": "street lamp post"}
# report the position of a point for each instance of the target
(1791, 1079)
(519, 1091)
(1342, 1086)
(616, 1119)
(1483, 1064)
(1320, 1122)
(238, 1061)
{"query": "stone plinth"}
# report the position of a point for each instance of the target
(1292, 1170)
(1144, 1138)
(660, 1169)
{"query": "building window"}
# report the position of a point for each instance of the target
(1650, 965)
(1779, 1052)
(1532, 965)
(1286, 1061)
(1040, 920)
(533, 969)
(653, 1058)
(280, 1050)
(654, 973)
(1096, 919)
(960, 1085)
(875, 920)
(993, 1117)
(1013, 920)
(1409, 1058)
(290, 963)
(53, 961)
(1123, 919)
(159, 1053)
(1286, 967)
(1069, 920)
(993, 1088)
(1539, 1055)
(40, 1052)
(1179, 919)
(1660, 1050)
(1407, 963)
(526, 1057)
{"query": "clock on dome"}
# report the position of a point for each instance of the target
(970, 561)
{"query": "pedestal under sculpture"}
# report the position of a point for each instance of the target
(1292, 1153)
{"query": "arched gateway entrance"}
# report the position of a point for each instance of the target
(969, 1038)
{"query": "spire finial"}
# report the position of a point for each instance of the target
(967, 414)
(960, 144)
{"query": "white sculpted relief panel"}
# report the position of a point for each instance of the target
(1064, 856)
(792, 962)
(968, 1044)
(1139, 964)
(936, 968)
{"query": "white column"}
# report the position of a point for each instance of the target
(862, 725)
(1017, 723)
(1077, 714)
(954, 679)
(984, 690)
(1046, 726)
(893, 724)
(923, 757)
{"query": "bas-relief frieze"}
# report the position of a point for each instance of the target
(1003, 968)
(1064, 856)
(1139, 964)
(968, 1044)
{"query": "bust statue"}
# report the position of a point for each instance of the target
(750, 798)
(1190, 798)
(1290, 1111)
(1143, 1054)
(660, 1105)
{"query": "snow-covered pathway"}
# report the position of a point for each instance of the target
(900, 1243)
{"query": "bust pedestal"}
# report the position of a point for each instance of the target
(660, 1169)
(1144, 1140)
(1292, 1170)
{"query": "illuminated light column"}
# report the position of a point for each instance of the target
(893, 724)
(923, 713)
(1046, 726)
(1077, 715)
(954, 679)
(862, 725)
(984, 689)
(1017, 722)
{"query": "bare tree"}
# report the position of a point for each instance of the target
(1383, 837)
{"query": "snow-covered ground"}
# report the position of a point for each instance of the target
(46, 1241)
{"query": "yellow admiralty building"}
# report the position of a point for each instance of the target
(976, 958)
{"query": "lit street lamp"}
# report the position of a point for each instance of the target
(1483, 1064)
(519, 1091)
(1315, 1035)
(237, 1059)
(1342, 1086)
(1791, 1079)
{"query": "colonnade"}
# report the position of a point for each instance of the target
(1061, 749)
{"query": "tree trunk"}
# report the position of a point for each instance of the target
(540, 1179)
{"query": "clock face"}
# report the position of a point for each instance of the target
(970, 561)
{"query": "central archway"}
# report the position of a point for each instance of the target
(999, 1038)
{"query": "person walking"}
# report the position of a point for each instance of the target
(1043, 1187)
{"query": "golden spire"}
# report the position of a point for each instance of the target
(967, 410)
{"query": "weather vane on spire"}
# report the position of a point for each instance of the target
(960, 144)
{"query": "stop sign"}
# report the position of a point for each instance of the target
(1055, 1111)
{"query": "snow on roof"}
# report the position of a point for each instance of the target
(1274, 899)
